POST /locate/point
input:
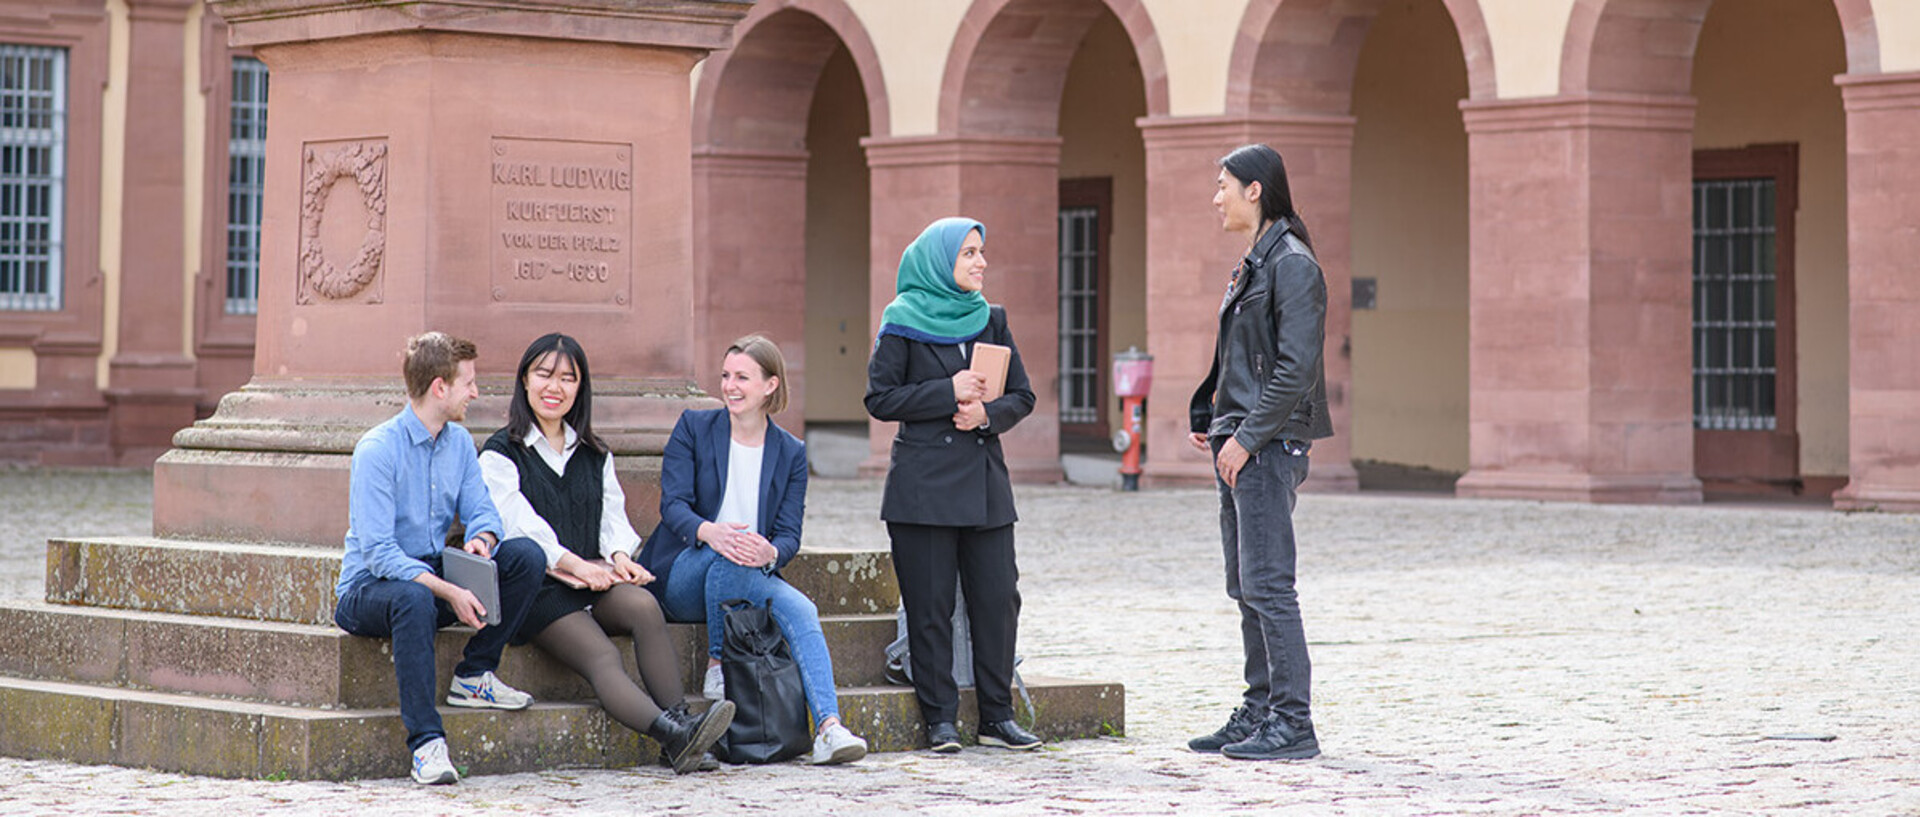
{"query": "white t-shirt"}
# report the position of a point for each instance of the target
(741, 502)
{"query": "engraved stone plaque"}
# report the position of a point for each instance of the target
(562, 221)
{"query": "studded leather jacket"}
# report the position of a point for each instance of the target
(1268, 381)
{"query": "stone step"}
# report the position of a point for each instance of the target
(295, 584)
(320, 665)
(83, 723)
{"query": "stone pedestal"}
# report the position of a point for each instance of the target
(497, 171)
(1883, 399)
(1011, 185)
(1581, 373)
(1190, 260)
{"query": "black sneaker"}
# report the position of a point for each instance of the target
(1008, 734)
(1240, 726)
(1276, 740)
(943, 738)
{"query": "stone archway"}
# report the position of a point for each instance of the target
(751, 165)
(997, 158)
(1630, 47)
(1009, 62)
(1299, 56)
(1290, 85)
(1640, 56)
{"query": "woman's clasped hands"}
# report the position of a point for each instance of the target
(738, 543)
(969, 387)
(620, 570)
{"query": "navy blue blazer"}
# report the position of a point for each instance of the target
(693, 481)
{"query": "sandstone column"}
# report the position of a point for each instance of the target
(1883, 398)
(151, 387)
(1010, 184)
(1190, 259)
(1580, 348)
(497, 170)
(753, 276)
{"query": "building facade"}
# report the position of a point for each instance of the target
(1602, 250)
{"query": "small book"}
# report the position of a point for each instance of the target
(478, 574)
(991, 361)
(573, 581)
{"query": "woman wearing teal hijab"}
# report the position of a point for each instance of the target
(948, 503)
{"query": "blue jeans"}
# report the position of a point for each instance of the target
(409, 613)
(1256, 531)
(701, 579)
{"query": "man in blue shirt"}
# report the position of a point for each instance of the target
(412, 476)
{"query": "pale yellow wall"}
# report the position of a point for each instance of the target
(1104, 95)
(838, 332)
(1764, 73)
(1527, 37)
(1899, 25)
(193, 198)
(1196, 40)
(1410, 233)
(18, 369)
(911, 40)
(113, 152)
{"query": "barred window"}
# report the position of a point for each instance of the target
(1733, 305)
(246, 165)
(1079, 315)
(33, 124)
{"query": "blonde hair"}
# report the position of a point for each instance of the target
(434, 355)
(767, 355)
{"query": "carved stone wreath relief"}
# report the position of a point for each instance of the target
(343, 221)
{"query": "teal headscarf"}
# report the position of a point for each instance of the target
(930, 307)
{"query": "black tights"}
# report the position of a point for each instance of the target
(584, 643)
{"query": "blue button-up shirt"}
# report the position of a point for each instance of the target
(406, 488)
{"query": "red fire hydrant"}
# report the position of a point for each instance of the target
(1132, 379)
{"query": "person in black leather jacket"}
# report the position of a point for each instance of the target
(1257, 414)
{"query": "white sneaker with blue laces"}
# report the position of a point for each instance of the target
(484, 691)
(431, 766)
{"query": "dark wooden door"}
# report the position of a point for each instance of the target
(1744, 378)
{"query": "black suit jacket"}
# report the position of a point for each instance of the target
(941, 475)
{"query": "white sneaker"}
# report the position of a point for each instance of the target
(431, 766)
(835, 744)
(715, 687)
(486, 692)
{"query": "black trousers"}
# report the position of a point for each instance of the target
(926, 558)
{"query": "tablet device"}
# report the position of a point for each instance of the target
(478, 575)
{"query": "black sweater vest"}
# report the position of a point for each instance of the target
(569, 502)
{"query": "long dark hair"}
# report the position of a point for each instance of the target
(1259, 163)
(520, 412)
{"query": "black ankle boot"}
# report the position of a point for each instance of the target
(684, 737)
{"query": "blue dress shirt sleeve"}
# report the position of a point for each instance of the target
(371, 488)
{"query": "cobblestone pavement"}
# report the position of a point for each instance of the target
(1471, 657)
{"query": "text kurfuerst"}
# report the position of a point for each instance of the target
(560, 211)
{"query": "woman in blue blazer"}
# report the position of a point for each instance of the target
(733, 489)
(948, 503)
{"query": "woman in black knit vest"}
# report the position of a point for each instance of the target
(552, 480)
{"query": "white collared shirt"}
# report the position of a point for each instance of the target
(518, 517)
